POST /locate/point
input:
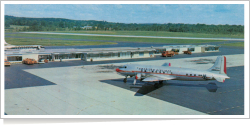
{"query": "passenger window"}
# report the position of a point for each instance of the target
(186, 74)
(194, 74)
(190, 74)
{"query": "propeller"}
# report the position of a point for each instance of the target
(137, 76)
(134, 81)
(204, 76)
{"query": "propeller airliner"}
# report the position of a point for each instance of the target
(155, 74)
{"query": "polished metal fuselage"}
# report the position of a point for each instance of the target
(184, 74)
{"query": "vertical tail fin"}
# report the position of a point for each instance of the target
(220, 65)
(7, 44)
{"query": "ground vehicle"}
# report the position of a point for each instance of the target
(46, 61)
(187, 52)
(6, 62)
(176, 51)
(29, 61)
(167, 53)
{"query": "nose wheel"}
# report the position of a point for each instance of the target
(125, 79)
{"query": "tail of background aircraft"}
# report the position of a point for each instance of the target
(7, 44)
(220, 65)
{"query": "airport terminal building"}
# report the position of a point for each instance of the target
(40, 53)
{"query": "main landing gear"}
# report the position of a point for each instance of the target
(157, 85)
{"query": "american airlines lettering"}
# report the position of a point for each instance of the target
(155, 70)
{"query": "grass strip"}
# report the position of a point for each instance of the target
(48, 42)
(109, 39)
(158, 33)
(238, 44)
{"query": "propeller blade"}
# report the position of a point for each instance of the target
(204, 77)
(134, 81)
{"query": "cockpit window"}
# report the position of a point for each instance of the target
(123, 67)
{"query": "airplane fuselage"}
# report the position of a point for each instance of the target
(184, 74)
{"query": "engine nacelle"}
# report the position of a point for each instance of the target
(167, 64)
(138, 76)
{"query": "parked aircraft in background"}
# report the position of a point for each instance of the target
(149, 73)
(8, 46)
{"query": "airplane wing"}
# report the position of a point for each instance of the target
(157, 77)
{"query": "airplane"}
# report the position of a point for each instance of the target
(8, 46)
(149, 73)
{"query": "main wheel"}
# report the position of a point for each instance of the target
(125, 80)
(160, 82)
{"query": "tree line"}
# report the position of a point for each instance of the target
(60, 24)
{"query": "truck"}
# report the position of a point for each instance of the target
(167, 53)
(176, 51)
(6, 62)
(29, 61)
(46, 61)
(187, 52)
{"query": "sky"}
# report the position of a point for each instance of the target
(232, 14)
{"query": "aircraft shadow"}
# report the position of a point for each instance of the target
(211, 87)
(143, 88)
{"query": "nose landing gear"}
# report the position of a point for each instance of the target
(125, 79)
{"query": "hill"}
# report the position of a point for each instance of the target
(61, 24)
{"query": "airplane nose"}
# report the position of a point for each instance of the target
(117, 70)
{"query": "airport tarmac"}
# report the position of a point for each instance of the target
(94, 88)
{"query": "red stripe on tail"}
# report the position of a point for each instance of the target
(225, 65)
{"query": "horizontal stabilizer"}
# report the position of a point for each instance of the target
(220, 79)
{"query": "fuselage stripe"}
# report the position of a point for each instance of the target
(161, 73)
